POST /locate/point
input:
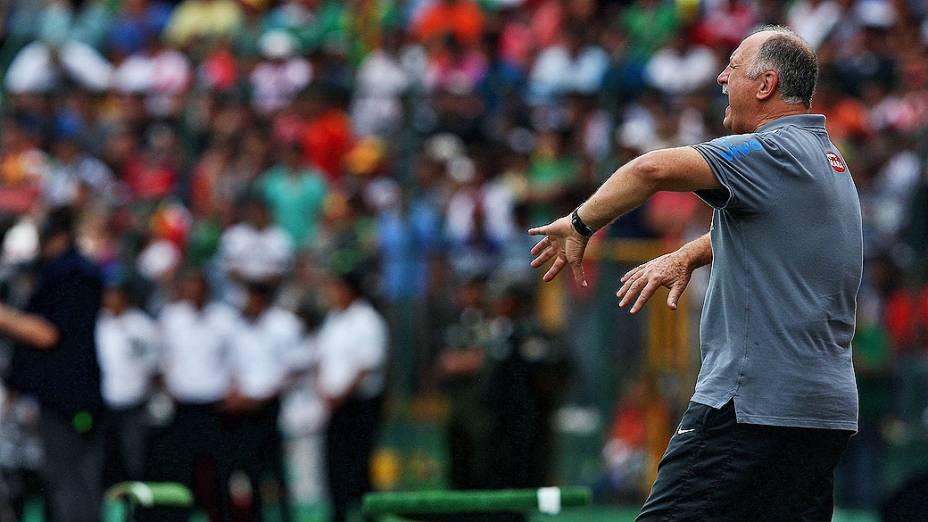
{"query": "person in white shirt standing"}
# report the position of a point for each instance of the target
(352, 356)
(127, 349)
(196, 335)
(254, 250)
(264, 350)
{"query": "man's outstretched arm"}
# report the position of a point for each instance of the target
(681, 169)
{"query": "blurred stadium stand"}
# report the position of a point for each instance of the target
(413, 142)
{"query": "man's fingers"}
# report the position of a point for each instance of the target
(539, 231)
(633, 290)
(543, 258)
(632, 272)
(555, 269)
(646, 294)
(541, 245)
(676, 290)
(628, 284)
(579, 277)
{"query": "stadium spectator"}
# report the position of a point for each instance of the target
(263, 347)
(814, 19)
(194, 20)
(277, 78)
(625, 452)
(41, 67)
(552, 173)
(381, 81)
(75, 178)
(526, 376)
(137, 22)
(460, 368)
(295, 193)
(726, 23)
(254, 251)
(351, 376)
(680, 67)
(127, 349)
(22, 168)
(572, 65)
(326, 135)
(55, 361)
(462, 19)
(196, 370)
(649, 24)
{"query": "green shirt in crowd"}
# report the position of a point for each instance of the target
(295, 201)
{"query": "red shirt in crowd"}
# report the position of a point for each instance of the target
(906, 319)
(326, 140)
(462, 18)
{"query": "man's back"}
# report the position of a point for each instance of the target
(787, 260)
(66, 377)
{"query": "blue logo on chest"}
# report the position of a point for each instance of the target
(738, 151)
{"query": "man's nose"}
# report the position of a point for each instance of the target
(722, 78)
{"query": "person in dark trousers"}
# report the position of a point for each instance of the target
(461, 369)
(55, 360)
(266, 341)
(196, 371)
(527, 376)
(505, 383)
(127, 350)
(352, 354)
(775, 401)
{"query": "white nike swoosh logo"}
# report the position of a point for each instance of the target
(681, 431)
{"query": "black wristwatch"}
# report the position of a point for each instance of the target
(579, 225)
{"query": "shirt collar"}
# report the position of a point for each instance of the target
(800, 120)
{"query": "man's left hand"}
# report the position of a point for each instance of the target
(671, 270)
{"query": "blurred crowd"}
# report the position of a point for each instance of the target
(397, 150)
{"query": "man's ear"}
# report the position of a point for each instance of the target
(769, 82)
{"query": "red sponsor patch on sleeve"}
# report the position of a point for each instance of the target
(835, 161)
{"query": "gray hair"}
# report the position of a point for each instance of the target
(793, 60)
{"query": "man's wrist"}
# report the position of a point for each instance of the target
(579, 225)
(693, 255)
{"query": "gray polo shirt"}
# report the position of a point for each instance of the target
(787, 258)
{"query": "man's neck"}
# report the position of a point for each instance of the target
(790, 110)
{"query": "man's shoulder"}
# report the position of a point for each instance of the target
(364, 313)
(139, 318)
(74, 267)
(283, 320)
(221, 312)
(174, 310)
(732, 147)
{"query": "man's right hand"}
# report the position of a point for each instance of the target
(562, 243)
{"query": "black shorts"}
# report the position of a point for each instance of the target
(715, 469)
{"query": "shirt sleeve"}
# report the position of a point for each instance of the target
(747, 168)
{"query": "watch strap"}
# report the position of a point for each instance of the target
(579, 225)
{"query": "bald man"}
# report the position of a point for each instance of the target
(776, 399)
